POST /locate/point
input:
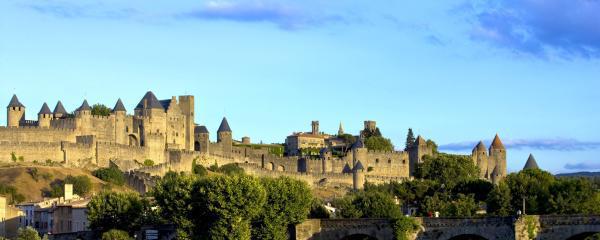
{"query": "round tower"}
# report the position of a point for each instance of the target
(44, 116)
(120, 113)
(497, 156)
(15, 112)
(358, 176)
(201, 139)
(59, 110)
(480, 159)
(225, 138)
(326, 158)
(359, 151)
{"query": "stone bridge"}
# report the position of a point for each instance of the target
(560, 227)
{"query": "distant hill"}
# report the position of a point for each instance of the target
(20, 178)
(579, 174)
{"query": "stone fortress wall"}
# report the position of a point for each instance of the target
(164, 131)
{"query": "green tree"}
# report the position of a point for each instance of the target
(379, 143)
(431, 144)
(173, 195)
(410, 139)
(101, 110)
(498, 201)
(478, 187)
(288, 202)
(111, 174)
(573, 196)
(533, 185)
(317, 210)
(369, 204)
(232, 201)
(113, 210)
(82, 185)
(447, 169)
(27, 233)
(461, 206)
(116, 234)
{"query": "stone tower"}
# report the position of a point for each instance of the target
(326, 160)
(480, 159)
(358, 176)
(495, 176)
(186, 104)
(201, 139)
(59, 110)
(225, 138)
(359, 152)
(341, 130)
(15, 112)
(315, 127)
(497, 157)
(44, 116)
(370, 125)
(120, 114)
(416, 153)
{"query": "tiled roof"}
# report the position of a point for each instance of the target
(151, 101)
(200, 129)
(84, 106)
(497, 143)
(119, 106)
(531, 163)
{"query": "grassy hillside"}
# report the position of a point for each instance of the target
(32, 186)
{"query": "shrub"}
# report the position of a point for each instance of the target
(21, 159)
(11, 192)
(33, 172)
(404, 226)
(13, 156)
(27, 233)
(116, 234)
(148, 162)
(111, 174)
(231, 169)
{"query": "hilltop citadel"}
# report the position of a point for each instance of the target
(165, 132)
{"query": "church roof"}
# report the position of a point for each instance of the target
(200, 129)
(224, 127)
(45, 109)
(358, 166)
(84, 106)
(531, 163)
(14, 102)
(119, 106)
(151, 100)
(497, 143)
(59, 109)
(480, 147)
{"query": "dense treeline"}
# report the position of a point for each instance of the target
(449, 184)
(227, 206)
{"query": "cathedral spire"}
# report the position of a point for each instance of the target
(341, 130)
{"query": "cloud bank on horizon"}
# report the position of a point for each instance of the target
(556, 144)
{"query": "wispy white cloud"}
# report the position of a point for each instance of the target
(565, 28)
(77, 10)
(553, 144)
(286, 16)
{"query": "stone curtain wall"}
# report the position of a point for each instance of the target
(31, 151)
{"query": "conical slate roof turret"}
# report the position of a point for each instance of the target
(151, 102)
(59, 109)
(531, 163)
(14, 102)
(497, 144)
(84, 106)
(45, 109)
(480, 147)
(358, 167)
(119, 107)
(224, 127)
(200, 129)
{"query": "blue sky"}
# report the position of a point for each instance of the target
(456, 71)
